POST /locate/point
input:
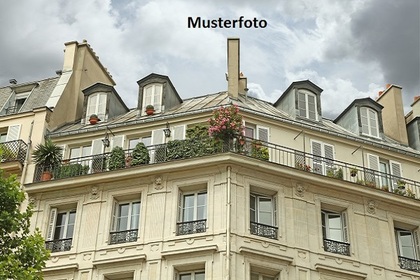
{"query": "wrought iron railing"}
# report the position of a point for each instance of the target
(124, 236)
(59, 245)
(337, 247)
(191, 148)
(264, 230)
(13, 151)
(409, 264)
(191, 227)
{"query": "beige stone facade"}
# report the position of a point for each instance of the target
(325, 200)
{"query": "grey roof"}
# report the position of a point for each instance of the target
(256, 106)
(38, 97)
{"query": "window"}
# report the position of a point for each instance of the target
(256, 132)
(307, 105)
(334, 232)
(147, 141)
(369, 120)
(408, 249)
(97, 105)
(16, 102)
(80, 154)
(60, 230)
(3, 136)
(125, 222)
(384, 173)
(259, 276)
(192, 212)
(152, 95)
(195, 275)
(263, 215)
(323, 157)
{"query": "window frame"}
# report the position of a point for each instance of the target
(368, 123)
(90, 109)
(191, 273)
(181, 205)
(306, 108)
(67, 242)
(157, 106)
(414, 243)
(273, 213)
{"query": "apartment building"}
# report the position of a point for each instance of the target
(298, 196)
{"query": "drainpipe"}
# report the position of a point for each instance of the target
(228, 226)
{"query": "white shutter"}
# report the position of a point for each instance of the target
(114, 216)
(329, 156)
(63, 150)
(179, 132)
(345, 227)
(101, 111)
(97, 147)
(416, 242)
(51, 224)
(117, 141)
(373, 163)
(13, 132)
(364, 120)
(317, 153)
(158, 137)
(395, 168)
(262, 133)
(274, 210)
(180, 196)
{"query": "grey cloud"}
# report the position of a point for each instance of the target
(388, 32)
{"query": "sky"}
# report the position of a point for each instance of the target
(351, 49)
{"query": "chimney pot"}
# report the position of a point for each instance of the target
(388, 86)
(416, 98)
(13, 81)
(380, 92)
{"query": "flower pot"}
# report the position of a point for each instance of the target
(150, 111)
(93, 121)
(46, 176)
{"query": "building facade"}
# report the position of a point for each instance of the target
(297, 197)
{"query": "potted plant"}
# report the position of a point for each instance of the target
(150, 110)
(353, 171)
(116, 159)
(46, 156)
(401, 184)
(140, 155)
(93, 119)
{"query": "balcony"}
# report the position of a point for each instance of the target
(409, 264)
(124, 236)
(59, 245)
(268, 152)
(264, 230)
(337, 247)
(191, 227)
(13, 151)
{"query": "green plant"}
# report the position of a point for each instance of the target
(150, 107)
(7, 154)
(334, 173)
(140, 155)
(70, 170)
(401, 183)
(353, 171)
(116, 159)
(385, 188)
(47, 154)
(93, 116)
(399, 191)
(259, 151)
(226, 123)
(409, 193)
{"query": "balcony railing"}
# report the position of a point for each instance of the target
(124, 236)
(192, 148)
(264, 230)
(59, 245)
(337, 247)
(191, 227)
(409, 264)
(13, 151)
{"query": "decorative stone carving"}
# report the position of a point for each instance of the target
(94, 193)
(371, 207)
(300, 190)
(158, 183)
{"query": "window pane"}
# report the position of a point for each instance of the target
(201, 213)
(265, 218)
(124, 210)
(185, 276)
(265, 204)
(254, 276)
(249, 132)
(201, 199)
(188, 201)
(147, 141)
(74, 152)
(132, 143)
(122, 223)
(199, 276)
(407, 245)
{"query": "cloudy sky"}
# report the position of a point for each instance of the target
(351, 49)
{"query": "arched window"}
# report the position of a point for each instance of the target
(369, 120)
(307, 105)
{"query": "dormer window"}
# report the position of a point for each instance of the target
(97, 105)
(307, 105)
(369, 120)
(152, 95)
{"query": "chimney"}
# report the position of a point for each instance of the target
(416, 106)
(393, 118)
(237, 82)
